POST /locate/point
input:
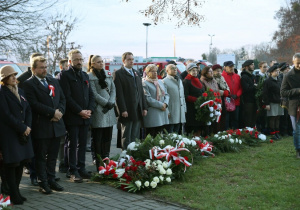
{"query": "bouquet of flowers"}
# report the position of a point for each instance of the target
(209, 107)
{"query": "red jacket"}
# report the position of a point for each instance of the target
(234, 82)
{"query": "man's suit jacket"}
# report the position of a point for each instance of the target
(130, 95)
(79, 96)
(43, 108)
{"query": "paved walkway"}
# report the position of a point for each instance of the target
(87, 195)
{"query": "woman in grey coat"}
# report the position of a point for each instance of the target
(103, 118)
(157, 100)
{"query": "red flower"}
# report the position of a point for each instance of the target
(211, 90)
(211, 103)
(143, 163)
(238, 132)
(216, 100)
(115, 176)
(215, 107)
(208, 149)
(218, 94)
(204, 94)
(134, 168)
(127, 168)
(202, 153)
(256, 132)
(177, 162)
(246, 131)
(215, 94)
(186, 158)
(106, 173)
(206, 137)
(112, 171)
(271, 141)
(123, 165)
(133, 161)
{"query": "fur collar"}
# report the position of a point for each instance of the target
(195, 81)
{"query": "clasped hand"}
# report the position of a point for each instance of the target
(57, 116)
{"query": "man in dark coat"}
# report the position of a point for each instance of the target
(249, 86)
(130, 100)
(290, 88)
(80, 105)
(48, 103)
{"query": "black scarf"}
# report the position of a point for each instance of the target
(101, 77)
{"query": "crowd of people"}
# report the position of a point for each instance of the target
(45, 118)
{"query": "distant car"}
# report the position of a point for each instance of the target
(181, 67)
(4, 62)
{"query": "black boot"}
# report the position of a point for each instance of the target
(19, 172)
(106, 149)
(12, 183)
(4, 186)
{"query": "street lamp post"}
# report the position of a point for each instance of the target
(210, 46)
(146, 24)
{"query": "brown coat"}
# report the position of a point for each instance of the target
(290, 88)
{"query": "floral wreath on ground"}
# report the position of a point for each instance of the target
(209, 107)
(158, 161)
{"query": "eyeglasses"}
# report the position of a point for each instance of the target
(78, 60)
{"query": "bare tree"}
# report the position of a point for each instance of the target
(19, 19)
(182, 10)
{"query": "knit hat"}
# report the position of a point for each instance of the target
(6, 71)
(190, 66)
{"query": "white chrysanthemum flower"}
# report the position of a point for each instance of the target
(196, 138)
(146, 184)
(216, 135)
(138, 183)
(159, 162)
(123, 154)
(174, 135)
(153, 184)
(162, 171)
(165, 164)
(161, 142)
(169, 171)
(161, 178)
(159, 167)
(231, 141)
(179, 137)
(211, 109)
(208, 123)
(236, 140)
(240, 142)
(223, 137)
(156, 179)
(120, 172)
(211, 115)
(168, 179)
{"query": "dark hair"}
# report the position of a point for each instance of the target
(125, 55)
(91, 59)
(63, 61)
(205, 70)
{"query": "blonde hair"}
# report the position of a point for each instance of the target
(92, 59)
(150, 67)
(33, 55)
(75, 51)
(37, 59)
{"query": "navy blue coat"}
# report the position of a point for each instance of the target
(15, 116)
(43, 108)
(79, 96)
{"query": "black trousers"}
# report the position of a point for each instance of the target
(101, 141)
(46, 151)
(76, 147)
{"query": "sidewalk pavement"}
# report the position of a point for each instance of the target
(87, 195)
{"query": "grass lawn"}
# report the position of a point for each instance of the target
(264, 177)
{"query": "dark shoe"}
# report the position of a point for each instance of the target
(16, 200)
(22, 197)
(85, 174)
(34, 182)
(75, 177)
(56, 179)
(68, 174)
(55, 186)
(44, 188)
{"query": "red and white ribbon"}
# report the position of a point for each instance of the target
(4, 202)
(51, 88)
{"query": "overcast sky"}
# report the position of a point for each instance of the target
(111, 27)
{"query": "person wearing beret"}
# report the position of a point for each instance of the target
(249, 87)
(271, 98)
(285, 125)
(233, 81)
(48, 104)
(15, 133)
(290, 88)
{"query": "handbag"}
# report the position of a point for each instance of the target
(229, 104)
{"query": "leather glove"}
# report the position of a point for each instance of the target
(110, 105)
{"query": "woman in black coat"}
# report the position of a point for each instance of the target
(271, 98)
(15, 123)
(193, 89)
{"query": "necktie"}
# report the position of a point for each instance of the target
(130, 71)
(44, 83)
